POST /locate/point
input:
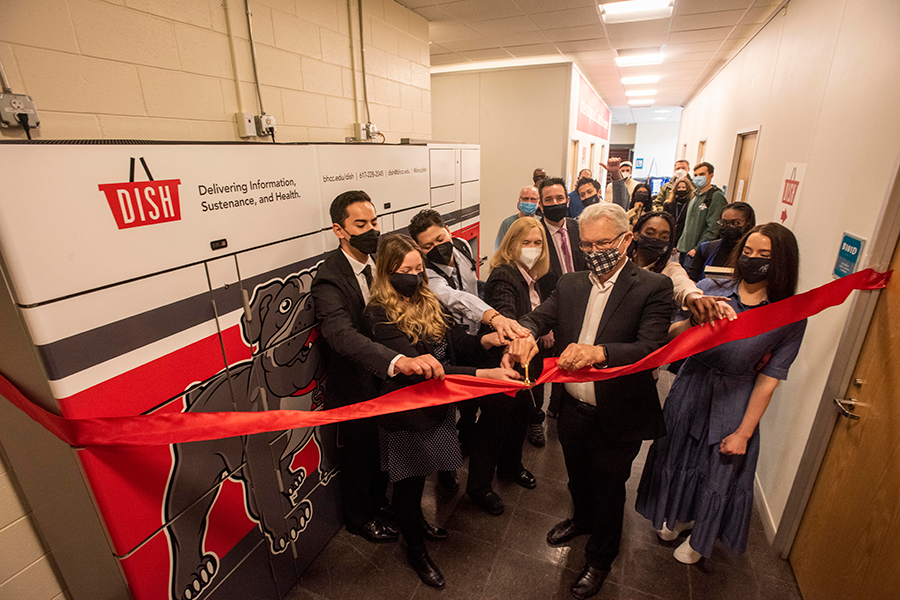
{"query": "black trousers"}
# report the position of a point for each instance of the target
(407, 502)
(598, 469)
(497, 439)
(363, 483)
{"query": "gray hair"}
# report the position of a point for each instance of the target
(603, 210)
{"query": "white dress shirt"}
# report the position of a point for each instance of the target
(593, 313)
(464, 304)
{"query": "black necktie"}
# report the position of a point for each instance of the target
(367, 271)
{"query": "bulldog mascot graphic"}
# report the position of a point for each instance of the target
(285, 372)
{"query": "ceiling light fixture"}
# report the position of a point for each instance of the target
(632, 57)
(641, 102)
(634, 10)
(640, 80)
(641, 93)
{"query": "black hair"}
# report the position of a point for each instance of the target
(746, 210)
(660, 263)
(649, 194)
(784, 265)
(340, 204)
(424, 220)
(587, 180)
(548, 181)
(708, 166)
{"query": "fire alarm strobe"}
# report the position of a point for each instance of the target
(12, 105)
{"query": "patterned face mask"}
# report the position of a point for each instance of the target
(602, 262)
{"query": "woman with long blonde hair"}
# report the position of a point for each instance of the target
(404, 315)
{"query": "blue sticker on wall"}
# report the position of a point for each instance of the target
(849, 255)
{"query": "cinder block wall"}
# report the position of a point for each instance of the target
(181, 69)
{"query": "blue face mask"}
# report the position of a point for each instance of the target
(528, 208)
(700, 182)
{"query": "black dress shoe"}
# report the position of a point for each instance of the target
(588, 583)
(449, 481)
(524, 477)
(565, 531)
(375, 531)
(423, 566)
(490, 502)
(433, 532)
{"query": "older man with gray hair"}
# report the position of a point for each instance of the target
(611, 315)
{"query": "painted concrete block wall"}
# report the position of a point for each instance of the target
(26, 568)
(814, 80)
(159, 69)
(519, 116)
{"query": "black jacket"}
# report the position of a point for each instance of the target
(355, 363)
(634, 324)
(460, 347)
(548, 281)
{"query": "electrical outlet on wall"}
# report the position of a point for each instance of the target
(12, 105)
(265, 125)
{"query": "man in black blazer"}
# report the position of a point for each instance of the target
(355, 363)
(614, 314)
(561, 230)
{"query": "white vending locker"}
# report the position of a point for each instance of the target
(455, 189)
(174, 277)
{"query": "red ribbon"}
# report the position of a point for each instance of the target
(172, 428)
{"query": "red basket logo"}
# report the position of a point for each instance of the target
(139, 203)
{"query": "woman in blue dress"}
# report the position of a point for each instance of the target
(700, 475)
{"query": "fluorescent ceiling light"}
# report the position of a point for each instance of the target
(641, 93)
(634, 10)
(641, 102)
(499, 64)
(662, 111)
(659, 119)
(640, 80)
(639, 59)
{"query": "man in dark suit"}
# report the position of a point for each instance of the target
(614, 314)
(355, 363)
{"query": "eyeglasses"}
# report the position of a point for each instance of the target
(601, 245)
(732, 223)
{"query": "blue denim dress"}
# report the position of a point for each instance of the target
(685, 477)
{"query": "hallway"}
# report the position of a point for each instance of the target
(507, 557)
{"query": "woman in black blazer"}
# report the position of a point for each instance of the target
(513, 288)
(404, 315)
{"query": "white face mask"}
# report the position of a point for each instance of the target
(529, 256)
(680, 173)
(626, 174)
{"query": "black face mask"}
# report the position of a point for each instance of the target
(730, 233)
(641, 197)
(441, 254)
(590, 200)
(556, 212)
(681, 195)
(652, 248)
(367, 242)
(406, 284)
(753, 269)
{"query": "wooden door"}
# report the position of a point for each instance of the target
(848, 544)
(747, 151)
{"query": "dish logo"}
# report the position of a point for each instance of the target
(139, 203)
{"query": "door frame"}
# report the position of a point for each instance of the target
(856, 327)
(738, 146)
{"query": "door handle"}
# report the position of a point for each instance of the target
(846, 408)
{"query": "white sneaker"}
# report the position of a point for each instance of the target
(670, 535)
(685, 554)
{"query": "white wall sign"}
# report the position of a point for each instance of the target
(792, 186)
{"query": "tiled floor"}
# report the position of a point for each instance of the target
(507, 557)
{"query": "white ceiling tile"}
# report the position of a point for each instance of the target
(416, 4)
(724, 18)
(580, 32)
(439, 13)
(690, 7)
(490, 54)
(532, 50)
(466, 45)
(582, 46)
(688, 56)
(641, 29)
(696, 47)
(518, 39)
(477, 10)
(536, 6)
(447, 59)
(446, 32)
(508, 25)
(758, 15)
(638, 41)
(699, 35)
(559, 19)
